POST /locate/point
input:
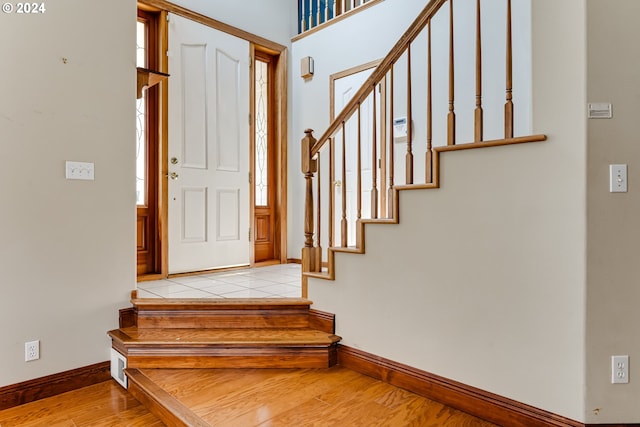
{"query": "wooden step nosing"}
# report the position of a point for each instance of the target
(183, 336)
(226, 312)
(159, 402)
(239, 304)
(223, 351)
(245, 347)
(133, 346)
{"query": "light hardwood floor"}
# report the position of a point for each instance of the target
(100, 405)
(248, 397)
(302, 397)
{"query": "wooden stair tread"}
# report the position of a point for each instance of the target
(220, 303)
(223, 337)
(319, 275)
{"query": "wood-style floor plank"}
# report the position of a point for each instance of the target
(246, 398)
(302, 397)
(104, 404)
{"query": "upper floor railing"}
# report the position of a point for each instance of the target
(312, 13)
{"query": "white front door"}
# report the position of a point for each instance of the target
(208, 148)
(344, 89)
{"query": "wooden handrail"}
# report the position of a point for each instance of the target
(381, 70)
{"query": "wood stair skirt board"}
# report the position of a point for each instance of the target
(226, 333)
(482, 404)
(52, 385)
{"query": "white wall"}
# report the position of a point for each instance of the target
(67, 248)
(488, 285)
(613, 232)
(275, 20)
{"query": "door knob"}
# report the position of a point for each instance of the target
(173, 175)
(337, 183)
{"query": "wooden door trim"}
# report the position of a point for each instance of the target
(148, 256)
(280, 55)
(281, 130)
(260, 54)
(213, 23)
(342, 74)
(252, 154)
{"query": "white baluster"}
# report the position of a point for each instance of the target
(326, 10)
(303, 21)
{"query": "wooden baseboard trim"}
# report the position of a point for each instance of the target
(322, 321)
(294, 261)
(128, 317)
(52, 385)
(480, 403)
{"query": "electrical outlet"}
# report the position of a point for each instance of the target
(31, 351)
(619, 369)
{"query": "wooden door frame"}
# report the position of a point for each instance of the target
(280, 55)
(150, 238)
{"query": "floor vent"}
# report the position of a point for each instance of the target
(118, 365)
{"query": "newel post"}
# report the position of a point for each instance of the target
(309, 167)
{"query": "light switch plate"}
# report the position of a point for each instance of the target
(617, 178)
(79, 170)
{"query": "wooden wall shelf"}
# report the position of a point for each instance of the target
(148, 78)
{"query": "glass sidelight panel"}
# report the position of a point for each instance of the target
(141, 119)
(261, 133)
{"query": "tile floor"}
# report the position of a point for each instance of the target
(275, 281)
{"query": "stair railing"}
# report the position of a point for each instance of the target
(312, 13)
(374, 104)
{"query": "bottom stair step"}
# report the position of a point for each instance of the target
(225, 348)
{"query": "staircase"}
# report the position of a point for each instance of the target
(217, 333)
(226, 333)
(389, 137)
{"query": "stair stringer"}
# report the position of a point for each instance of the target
(359, 248)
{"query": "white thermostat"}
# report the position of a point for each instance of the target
(400, 129)
(599, 110)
